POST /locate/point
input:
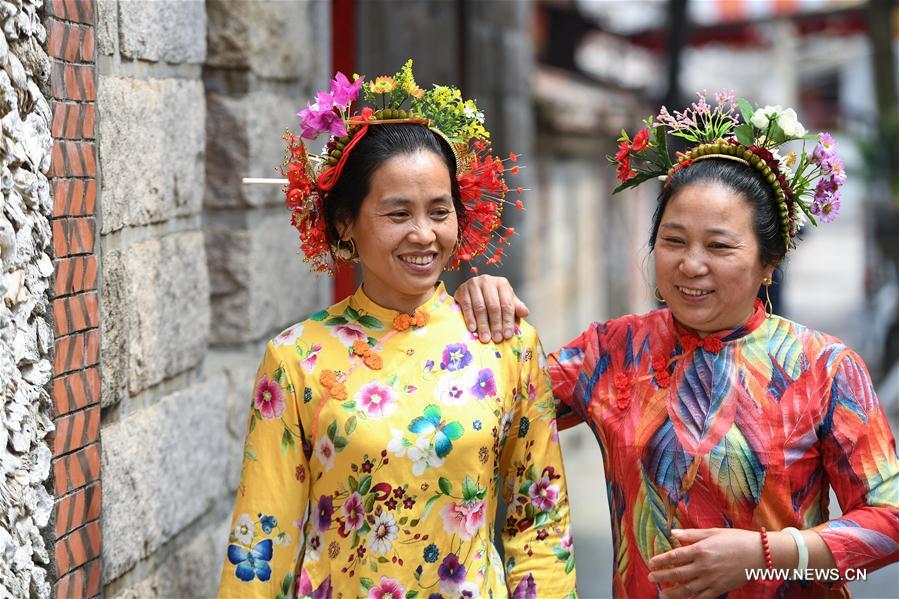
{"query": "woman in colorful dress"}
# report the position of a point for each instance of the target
(380, 431)
(723, 427)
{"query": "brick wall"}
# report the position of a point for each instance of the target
(76, 315)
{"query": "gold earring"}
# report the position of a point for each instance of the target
(769, 307)
(346, 250)
(656, 294)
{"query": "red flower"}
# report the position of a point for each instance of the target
(623, 149)
(625, 172)
(641, 140)
(712, 344)
(663, 379)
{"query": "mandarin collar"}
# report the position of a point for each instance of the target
(714, 342)
(360, 302)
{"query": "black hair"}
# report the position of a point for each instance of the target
(745, 181)
(382, 142)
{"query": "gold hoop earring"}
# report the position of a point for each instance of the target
(769, 307)
(657, 294)
(346, 250)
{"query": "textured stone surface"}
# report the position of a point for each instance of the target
(156, 317)
(151, 149)
(164, 30)
(26, 338)
(190, 570)
(107, 26)
(259, 282)
(163, 468)
(263, 35)
(243, 140)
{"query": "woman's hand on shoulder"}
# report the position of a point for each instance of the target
(490, 307)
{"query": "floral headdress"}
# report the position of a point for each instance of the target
(393, 100)
(806, 185)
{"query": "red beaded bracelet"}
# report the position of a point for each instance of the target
(768, 561)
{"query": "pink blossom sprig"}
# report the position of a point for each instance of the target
(328, 113)
(701, 122)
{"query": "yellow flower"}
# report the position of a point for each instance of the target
(790, 159)
(413, 90)
(382, 85)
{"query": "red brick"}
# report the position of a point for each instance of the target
(87, 45)
(77, 430)
(74, 352)
(74, 510)
(73, 197)
(72, 81)
(80, 583)
(74, 275)
(77, 548)
(79, 11)
(76, 390)
(73, 236)
(73, 159)
(87, 122)
(76, 313)
(76, 470)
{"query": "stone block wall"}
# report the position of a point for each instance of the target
(26, 321)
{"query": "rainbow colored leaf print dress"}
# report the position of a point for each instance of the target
(376, 448)
(742, 429)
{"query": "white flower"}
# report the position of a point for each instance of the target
(289, 336)
(243, 529)
(423, 456)
(469, 590)
(450, 390)
(397, 445)
(324, 451)
(314, 547)
(383, 531)
(790, 124)
(761, 116)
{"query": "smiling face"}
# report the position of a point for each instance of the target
(707, 261)
(406, 229)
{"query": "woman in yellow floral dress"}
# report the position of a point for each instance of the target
(380, 431)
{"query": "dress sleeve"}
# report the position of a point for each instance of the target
(537, 541)
(859, 455)
(569, 371)
(266, 529)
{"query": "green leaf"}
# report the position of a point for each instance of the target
(335, 321)
(250, 455)
(446, 487)
(370, 322)
(569, 565)
(332, 430)
(355, 539)
(414, 522)
(364, 484)
(285, 584)
(354, 484)
(285, 441)
(349, 405)
(364, 529)
(561, 553)
(351, 314)
(366, 583)
(640, 178)
(373, 566)
(469, 489)
(370, 502)
(525, 487)
(350, 425)
(745, 134)
(661, 140)
(252, 422)
(319, 316)
(278, 375)
(430, 504)
(391, 380)
(542, 520)
(403, 520)
(412, 594)
(777, 134)
(340, 442)
(383, 560)
(746, 110)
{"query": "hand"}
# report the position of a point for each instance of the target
(489, 304)
(709, 562)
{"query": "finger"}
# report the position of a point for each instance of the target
(671, 559)
(521, 310)
(694, 535)
(507, 304)
(479, 308)
(462, 298)
(687, 589)
(680, 574)
(494, 313)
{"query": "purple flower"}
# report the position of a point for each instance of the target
(824, 189)
(484, 385)
(451, 573)
(324, 510)
(526, 589)
(455, 357)
(828, 208)
(543, 494)
(343, 91)
(824, 151)
(320, 117)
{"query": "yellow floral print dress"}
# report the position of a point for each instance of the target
(376, 447)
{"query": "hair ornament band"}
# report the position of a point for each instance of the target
(392, 101)
(806, 184)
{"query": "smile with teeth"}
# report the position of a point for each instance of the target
(419, 260)
(694, 292)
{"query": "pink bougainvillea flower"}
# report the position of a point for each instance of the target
(375, 400)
